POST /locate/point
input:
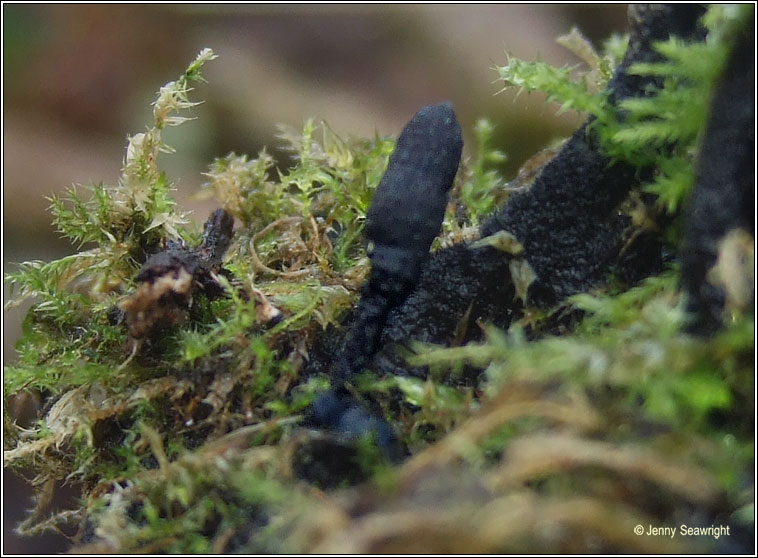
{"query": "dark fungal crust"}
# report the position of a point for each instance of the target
(567, 221)
(723, 198)
(460, 289)
(244, 479)
(648, 24)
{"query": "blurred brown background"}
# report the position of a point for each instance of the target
(79, 78)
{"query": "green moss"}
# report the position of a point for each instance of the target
(482, 189)
(660, 130)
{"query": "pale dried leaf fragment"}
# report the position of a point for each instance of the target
(503, 241)
(734, 270)
(523, 276)
(144, 308)
(265, 312)
(579, 45)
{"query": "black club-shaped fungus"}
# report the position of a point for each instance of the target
(404, 218)
(409, 203)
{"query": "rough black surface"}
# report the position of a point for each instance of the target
(723, 197)
(217, 235)
(649, 23)
(170, 261)
(567, 221)
(459, 288)
(404, 217)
